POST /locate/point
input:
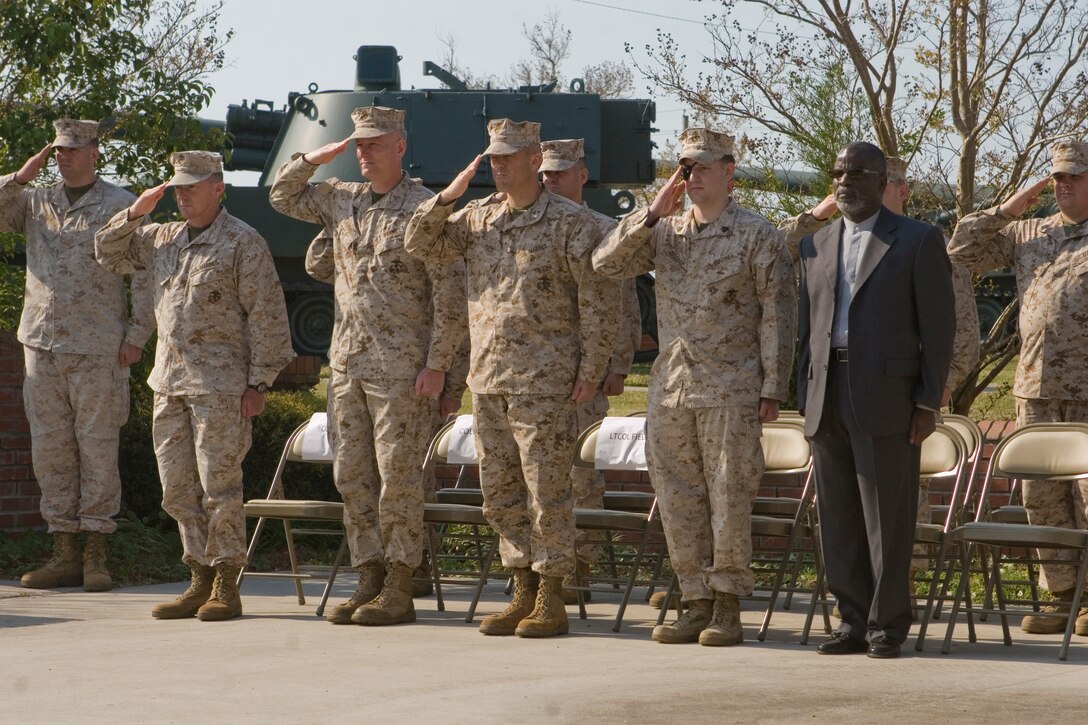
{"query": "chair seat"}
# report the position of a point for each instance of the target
(295, 509)
(928, 533)
(615, 500)
(771, 506)
(1000, 534)
(771, 526)
(453, 513)
(463, 496)
(629, 500)
(612, 520)
(1010, 515)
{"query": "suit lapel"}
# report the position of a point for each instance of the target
(826, 242)
(880, 240)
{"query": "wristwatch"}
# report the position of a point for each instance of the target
(260, 387)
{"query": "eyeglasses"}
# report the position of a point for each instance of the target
(852, 174)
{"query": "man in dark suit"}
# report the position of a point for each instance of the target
(876, 325)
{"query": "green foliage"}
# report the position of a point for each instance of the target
(284, 411)
(12, 281)
(138, 64)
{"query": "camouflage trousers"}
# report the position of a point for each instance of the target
(1055, 503)
(706, 465)
(524, 444)
(380, 433)
(200, 443)
(587, 484)
(76, 405)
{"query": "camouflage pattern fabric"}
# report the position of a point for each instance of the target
(200, 443)
(525, 443)
(587, 484)
(219, 305)
(395, 315)
(539, 318)
(706, 465)
(379, 433)
(72, 305)
(1050, 260)
(1055, 503)
(74, 320)
(76, 405)
(726, 305)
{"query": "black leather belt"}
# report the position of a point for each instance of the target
(840, 354)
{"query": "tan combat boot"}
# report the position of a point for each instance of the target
(1043, 623)
(724, 629)
(690, 624)
(1081, 627)
(192, 599)
(394, 604)
(64, 569)
(658, 598)
(225, 602)
(503, 624)
(96, 576)
(371, 577)
(549, 616)
(570, 596)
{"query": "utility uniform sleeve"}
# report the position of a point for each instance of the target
(435, 233)
(13, 202)
(630, 248)
(599, 302)
(983, 241)
(777, 293)
(123, 246)
(261, 296)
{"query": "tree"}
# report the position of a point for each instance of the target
(971, 92)
(139, 65)
(549, 49)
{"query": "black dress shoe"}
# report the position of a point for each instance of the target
(883, 647)
(842, 643)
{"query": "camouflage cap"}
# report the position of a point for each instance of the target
(74, 134)
(896, 169)
(193, 166)
(372, 121)
(1069, 157)
(704, 146)
(509, 137)
(561, 155)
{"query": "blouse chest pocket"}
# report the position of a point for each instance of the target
(722, 273)
(208, 284)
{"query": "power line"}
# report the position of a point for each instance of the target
(640, 12)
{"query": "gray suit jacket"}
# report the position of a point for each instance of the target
(902, 322)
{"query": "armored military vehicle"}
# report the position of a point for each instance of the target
(446, 128)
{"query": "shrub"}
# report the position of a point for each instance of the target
(284, 411)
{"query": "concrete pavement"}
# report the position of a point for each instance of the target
(71, 656)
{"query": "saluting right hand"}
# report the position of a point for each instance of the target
(669, 197)
(146, 202)
(825, 209)
(327, 153)
(1023, 199)
(33, 166)
(460, 183)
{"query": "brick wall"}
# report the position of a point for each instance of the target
(19, 492)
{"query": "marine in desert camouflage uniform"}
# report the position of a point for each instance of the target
(727, 307)
(541, 324)
(564, 173)
(1050, 258)
(223, 339)
(79, 341)
(397, 326)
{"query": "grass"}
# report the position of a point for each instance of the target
(1000, 403)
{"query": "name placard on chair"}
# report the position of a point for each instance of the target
(462, 449)
(315, 439)
(621, 444)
